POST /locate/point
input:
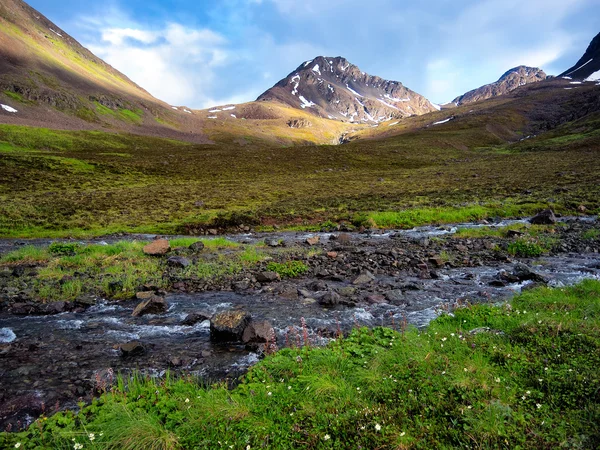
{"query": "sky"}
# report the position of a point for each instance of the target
(202, 53)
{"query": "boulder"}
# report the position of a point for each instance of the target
(258, 332)
(364, 277)
(195, 317)
(132, 348)
(546, 217)
(267, 277)
(228, 326)
(197, 247)
(154, 305)
(158, 247)
(178, 261)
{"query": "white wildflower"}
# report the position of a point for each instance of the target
(326, 437)
(378, 427)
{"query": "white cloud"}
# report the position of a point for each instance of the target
(176, 64)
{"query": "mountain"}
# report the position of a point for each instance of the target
(588, 67)
(336, 89)
(511, 80)
(48, 79)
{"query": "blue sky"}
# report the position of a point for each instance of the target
(203, 53)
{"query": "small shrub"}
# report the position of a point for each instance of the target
(63, 248)
(288, 269)
(592, 234)
(526, 248)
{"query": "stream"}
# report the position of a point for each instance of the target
(47, 363)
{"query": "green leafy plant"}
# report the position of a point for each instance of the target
(288, 269)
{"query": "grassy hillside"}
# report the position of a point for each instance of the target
(91, 182)
(521, 375)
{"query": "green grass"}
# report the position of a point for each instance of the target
(592, 234)
(531, 382)
(66, 271)
(17, 97)
(123, 114)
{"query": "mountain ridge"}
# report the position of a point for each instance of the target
(334, 88)
(588, 66)
(509, 81)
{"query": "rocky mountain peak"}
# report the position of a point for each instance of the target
(333, 87)
(511, 80)
(588, 67)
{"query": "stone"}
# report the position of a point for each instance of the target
(375, 299)
(525, 273)
(347, 291)
(329, 299)
(317, 286)
(158, 247)
(344, 238)
(267, 277)
(228, 326)
(179, 262)
(437, 261)
(258, 332)
(193, 318)
(546, 217)
(332, 255)
(395, 296)
(514, 233)
(144, 295)
(581, 209)
(364, 277)
(313, 240)
(240, 285)
(270, 242)
(154, 305)
(213, 231)
(197, 247)
(132, 348)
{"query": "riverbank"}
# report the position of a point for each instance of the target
(54, 349)
(523, 374)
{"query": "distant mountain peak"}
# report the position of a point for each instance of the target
(334, 88)
(509, 81)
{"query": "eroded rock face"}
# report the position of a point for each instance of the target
(299, 123)
(228, 326)
(158, 247)
(154, 305)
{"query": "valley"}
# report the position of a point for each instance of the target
(340, 263)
